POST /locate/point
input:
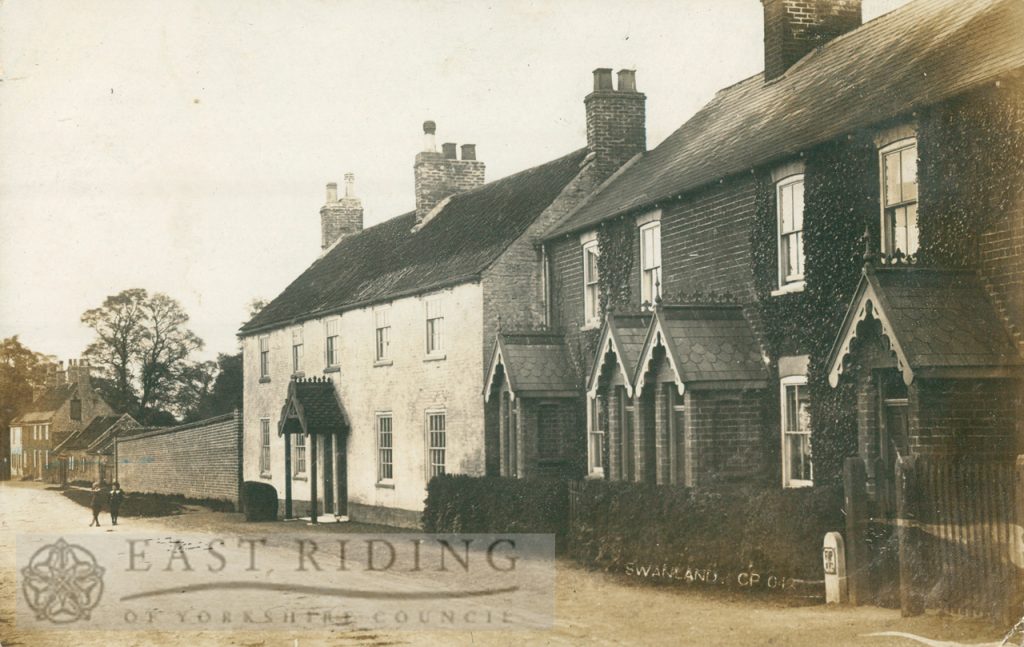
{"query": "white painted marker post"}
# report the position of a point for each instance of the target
(833, 557)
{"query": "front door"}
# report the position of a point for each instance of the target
(340, 461)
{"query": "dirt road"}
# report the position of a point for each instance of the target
(591, 608)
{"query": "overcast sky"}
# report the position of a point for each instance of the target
(183, 147)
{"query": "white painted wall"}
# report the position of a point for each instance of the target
(407, 388)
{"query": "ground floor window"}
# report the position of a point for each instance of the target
(597, 426)
(797, 470)
(385, 448)
(264, 445)
(549, 443)
(626, 432)
(437, 443)
(298, 454)
(510, 423)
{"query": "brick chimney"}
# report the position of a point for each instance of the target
(440, 175)
(792, 28)
(340, 216)
(616, 120)
(80, 372)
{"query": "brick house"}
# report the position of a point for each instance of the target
(712, 342)
(363, 379)
(64, 407)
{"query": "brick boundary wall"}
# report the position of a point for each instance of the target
(199, 460)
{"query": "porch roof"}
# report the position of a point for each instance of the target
(535, 364)
(938, 321)
(624, 335)
(712, 345)
(314, 405)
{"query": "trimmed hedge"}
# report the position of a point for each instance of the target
(768, 530)
(493, 504)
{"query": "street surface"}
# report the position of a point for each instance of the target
(591, 608)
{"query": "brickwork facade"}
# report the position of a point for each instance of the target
(198, 460)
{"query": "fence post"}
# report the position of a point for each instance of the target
(855, 498)
(907, 532)
(1016, 548)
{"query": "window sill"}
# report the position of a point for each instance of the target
(434, 358)
(332, 369)
(792, 485)
(789, 288)
(595, 475)
(594, 325)
(264, 380)
(383, 362)
(385, 485)
(298, 375)
(303, 477)
(266, 475)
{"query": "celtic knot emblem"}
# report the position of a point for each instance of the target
(62, 582)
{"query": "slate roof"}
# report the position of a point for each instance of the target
(534, 363)
(43, 407)
(706, 343)
(940, 319)
(318, 406)
(389, 260)
(914, 56)
(82, 438)
(627, 332)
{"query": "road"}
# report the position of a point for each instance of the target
(591, 608)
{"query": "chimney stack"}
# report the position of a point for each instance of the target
(340, 217)
(793, 28)
(616, 121)
(440, 175)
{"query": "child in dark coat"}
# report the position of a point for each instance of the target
(116, 497)
(97, 504)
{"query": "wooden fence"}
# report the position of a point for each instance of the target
(957, 528)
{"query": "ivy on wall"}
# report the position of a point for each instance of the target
(840, 199)
(971, 170)
(615, 242)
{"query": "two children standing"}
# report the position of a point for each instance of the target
(113, 497)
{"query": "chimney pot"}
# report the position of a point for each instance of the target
(449, 150)
(468, 152)
(332, 192)
(602, 79)
(429, 128)
(350, 185)
(627, 80)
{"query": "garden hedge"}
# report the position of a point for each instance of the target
(492, 504)
(629, 527)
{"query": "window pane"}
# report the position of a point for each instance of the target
(908, 173)
(798, 205)
(911, 217)
(891, 167)
(799, 455)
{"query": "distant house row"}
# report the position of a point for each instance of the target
(802, 272)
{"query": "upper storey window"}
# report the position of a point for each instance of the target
(591, 300)
(789, 194)
(650, 262)
(899, 197)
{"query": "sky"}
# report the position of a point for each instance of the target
(183, 147)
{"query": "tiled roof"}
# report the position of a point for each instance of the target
(390, 260)
(625, 332)
(914, 56)
(935, 319)
(319, 409)
(706, 343)
(122, 428)
(534, 362)
(43, 407)
(83, 438)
